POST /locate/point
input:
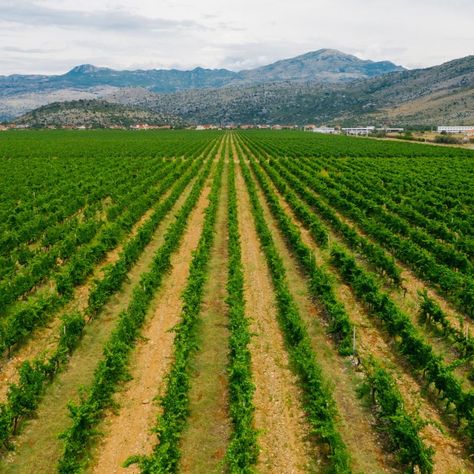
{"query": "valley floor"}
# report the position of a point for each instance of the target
(189, 394)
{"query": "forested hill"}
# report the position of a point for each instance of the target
(94, 114)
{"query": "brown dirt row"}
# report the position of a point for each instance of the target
(412, 283)
(205, 439)
(44, 339)
(442, 345)
(450, 454)
(127, 429)
(47, 286)
(409, 302)
(283, 439)
(356, 423)
(38, 444)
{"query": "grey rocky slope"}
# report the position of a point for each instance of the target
(429, 96)
(324, 65)
(20, 93)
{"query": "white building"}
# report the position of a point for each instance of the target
(455, 128)
(390, 129)
(325, 130)
(358, 130)
(206, 127)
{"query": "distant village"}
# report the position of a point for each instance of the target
(360, 131)
(465, 130)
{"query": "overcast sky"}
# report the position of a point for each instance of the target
(52, 36)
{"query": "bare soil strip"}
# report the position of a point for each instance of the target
(284, 447)
(47, 286)
(127, 432)
(205, 439)
(450, 454)
(357, 424)
(412, 283)
(408, 301)
(44, 339)
(38, 445)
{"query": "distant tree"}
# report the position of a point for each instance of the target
(447, 139)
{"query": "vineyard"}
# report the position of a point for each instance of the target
(230, 301)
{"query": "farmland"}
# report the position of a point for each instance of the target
(230, 301)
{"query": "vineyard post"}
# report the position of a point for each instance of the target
(354, 344)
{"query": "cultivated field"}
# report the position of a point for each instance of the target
(199, 302)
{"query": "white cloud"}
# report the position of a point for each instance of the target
(51, 36)
(117, 20)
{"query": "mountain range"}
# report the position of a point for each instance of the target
(324, 86)
(21, 93)
(439, 95)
